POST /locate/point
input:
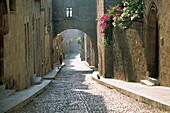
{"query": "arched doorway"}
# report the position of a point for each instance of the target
(153, 44)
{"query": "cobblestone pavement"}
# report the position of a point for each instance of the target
(75, 92)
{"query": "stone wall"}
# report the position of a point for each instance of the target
(47, 36)
(140, 52)
(27, 46)
(3, 31)
(43, 66)
(66, 45)
(22, 45)
(82, 47)
(161, 21)
(100, 38)
(57, 48)
(83, 18)
(129, 61)
(86, 47)
(105, 60)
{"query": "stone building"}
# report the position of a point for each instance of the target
(66, 45)
(82, 49)
(86, 48)
(156, 39)
(26, 42)
(46, 36)
(141, 52)
(105, 60)
(22, 44)
(77, 14)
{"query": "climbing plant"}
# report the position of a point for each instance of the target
(120, 16)
(78, 40)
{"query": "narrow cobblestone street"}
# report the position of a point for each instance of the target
(75, 92)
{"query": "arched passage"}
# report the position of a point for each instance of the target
(85, 47)
(77, 14)
(153, 44)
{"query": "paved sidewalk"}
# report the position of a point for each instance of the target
(22, 98)
(156, 96)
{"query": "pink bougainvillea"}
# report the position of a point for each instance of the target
(112, 12)
(106, 22)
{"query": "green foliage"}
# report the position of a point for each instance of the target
(121, 16)
(133, 10)
(78, 40)
(106, 24)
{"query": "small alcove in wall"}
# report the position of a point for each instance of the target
(12, 5)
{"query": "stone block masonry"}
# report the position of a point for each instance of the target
(27, 50)
(129, 61)
(140, 52)
(157, 17)
(105, 54)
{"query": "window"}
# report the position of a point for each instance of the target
(69, 12)
(12, 5)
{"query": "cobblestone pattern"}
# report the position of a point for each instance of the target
(75, 92)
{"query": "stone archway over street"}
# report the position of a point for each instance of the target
(77, 14)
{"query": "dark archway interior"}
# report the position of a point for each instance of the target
(153, 45)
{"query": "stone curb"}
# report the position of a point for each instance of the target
(63, 65)
(132, 94)
(22, 98)
(91, 67)
(67, 55)
(53, 73)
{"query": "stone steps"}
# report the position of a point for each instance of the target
(154, 81)
(146, 82)
(38, 80)
(150, 82)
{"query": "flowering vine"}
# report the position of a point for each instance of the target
(122, 17)
(132, 10)
(106, 23)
